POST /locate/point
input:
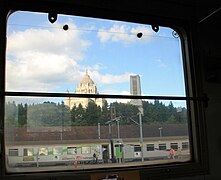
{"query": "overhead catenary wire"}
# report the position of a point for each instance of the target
(92, 30)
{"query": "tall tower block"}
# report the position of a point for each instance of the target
(135, 90)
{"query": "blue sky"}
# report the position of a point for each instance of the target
(50, 59)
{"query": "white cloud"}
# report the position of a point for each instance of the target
(40, 72)
(40, 59)
(123, 33)
(95, 67)
(44, 59)
(55, 40)
(114, 92)
(109, 78)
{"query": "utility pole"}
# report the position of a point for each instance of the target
(160, 129)
(113, 119)
(113, 112)
(118, 128)
(141, 136)
(99, 130)
(62, 119)
(141, 133)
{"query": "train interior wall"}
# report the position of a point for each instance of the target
(208, 45)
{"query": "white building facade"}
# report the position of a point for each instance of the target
(86, 86)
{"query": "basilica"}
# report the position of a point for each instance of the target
(86, 86)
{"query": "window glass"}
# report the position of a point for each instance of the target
(71, 150)
(13, 152)
(150, 147)
(108, 54)
(162, 147)
(137, 148)
(57, 150)
(28, 151)
(174, 146)
(185, 145)
(43, 151)
(83, 85)
(86, 150)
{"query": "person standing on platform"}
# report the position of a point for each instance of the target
(172, 153)
(95, 157)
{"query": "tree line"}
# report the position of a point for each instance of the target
(49, 114)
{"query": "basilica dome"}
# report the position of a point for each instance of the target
(86, 80)
(86, 86)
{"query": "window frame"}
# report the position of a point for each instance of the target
(196, 100)
(162, 146)
(13, 152)
(26, 152)
(85, 150)
(137, 148)
(46, 153)
(150, 147)
(185, 145)
(57, 150)
(174, 145)
(72, 148)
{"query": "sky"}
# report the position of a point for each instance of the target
(43, 57)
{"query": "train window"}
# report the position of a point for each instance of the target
(150, 147)
(185, 145)
(94, 81)
(28, 151)
(174, 146)
(71, 150)
(89, 83)
(13, 152)
(86, 150)
(137, 148)
(162, 147)
(57, 151)
(43, 151)
(97, 149)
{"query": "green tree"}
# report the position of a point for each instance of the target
(159, 113)
(125, 111)
(92, 114)
(172, 119)
(22, 115)
(48, 114)
(78, 116)
(64, 114)
(105, 113)
(73, 115)
(11, 115)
